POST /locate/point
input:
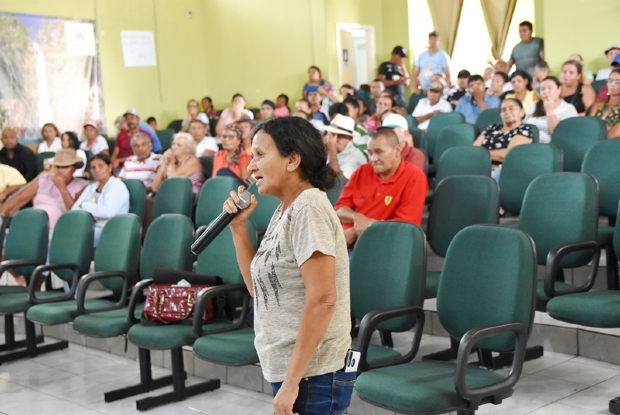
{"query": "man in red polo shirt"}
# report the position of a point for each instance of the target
(387, 188)
(122, 146)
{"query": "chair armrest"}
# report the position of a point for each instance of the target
(133, 301)
(37, 275)
(369, 325)
(14, 263)
(88, 279)
(498, 389)
(208, 294)
(554, 258)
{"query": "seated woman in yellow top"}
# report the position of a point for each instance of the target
(522, 88)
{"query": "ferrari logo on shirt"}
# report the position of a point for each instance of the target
(388, 200)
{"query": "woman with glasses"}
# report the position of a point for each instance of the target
(609, 110)
(232, 160)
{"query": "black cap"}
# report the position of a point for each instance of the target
(270, 103)
(399, 50)
(464, 74)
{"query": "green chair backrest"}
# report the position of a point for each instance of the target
(459, 202)
(488, 117)
(575, 136)
(28, 238)
(488, 278)
(41, 157)
(603, 162)
(211, 198)
(72, 242)
(264, 211)
(411, 122)
(111, 145)
(457, 135)
(165, 137)
(437, 123)
(413, 101)
(166, 244)
(420, 140)
(522, 165)
(174, 196)
(616, 238)
(137, 197)
(377, 283)
(535, 133)
(334, 194)
(561, 208)
(207, 166)
(598, 85)
(175, 126)
(457, 161)
(119, 249)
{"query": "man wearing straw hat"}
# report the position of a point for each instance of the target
(344, 157)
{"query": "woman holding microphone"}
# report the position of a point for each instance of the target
(299, 277)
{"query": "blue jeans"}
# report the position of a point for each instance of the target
(323, 394)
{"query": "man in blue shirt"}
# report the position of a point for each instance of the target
(477, 100)
(430, 62)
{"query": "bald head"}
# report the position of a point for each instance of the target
(9, 138)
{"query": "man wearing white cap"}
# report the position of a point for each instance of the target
(94, 142)
(409, 153)
(344, 157)
(428, 107)
(122, 146)
(198, 128)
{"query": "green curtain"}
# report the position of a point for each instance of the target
(446, 15)
(498, 15)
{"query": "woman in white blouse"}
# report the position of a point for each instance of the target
(51, 139)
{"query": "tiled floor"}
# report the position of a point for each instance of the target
(72, 382)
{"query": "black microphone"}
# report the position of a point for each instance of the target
(218, 225)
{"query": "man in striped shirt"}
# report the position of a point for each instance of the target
(143, 164)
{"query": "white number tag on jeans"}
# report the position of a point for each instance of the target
(352, 361)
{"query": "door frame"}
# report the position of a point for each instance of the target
(371, 59)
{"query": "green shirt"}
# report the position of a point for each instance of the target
(526, 55)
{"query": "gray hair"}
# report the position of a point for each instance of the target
(140, 134)
(189, 141)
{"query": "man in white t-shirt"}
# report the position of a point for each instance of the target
(205, 145)
(428, 107)
(94, 142)
(144, 163)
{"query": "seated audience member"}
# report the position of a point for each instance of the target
(499, 139)
(387, 188)
(363, 111)
(233, 114)
(302, 114)
(106, 197)
(318, 111)
(609, 110)
(232, 160)
(610, 54)
(54, 192)
(500, 83)
(478, 100)
(586, 77)
(549, 110)
(146, 127)
(192, 112)
(385, 103)
(282, 109)
(51, 139)
(267, 110)
(343, 156)
(604, 91)
(180, 161)
(376, 88)
(207, 107)
(143, 165)
(458, 91)
(573, 90)
(428, 107)
(316, 83)
(353, 111)
(304, 106)
(408, 153)
(487, 76)
(152, 122)
(500, 66)
(18, 156)
(438, 79)
(522, 88)
(69, 139)
(541, 72)
(337, 108)
(95, 143)
(246, 126)
(347, 91)
(199, 130)
(10, 181)
(122, 146)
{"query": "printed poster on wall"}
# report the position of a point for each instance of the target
(138, 48)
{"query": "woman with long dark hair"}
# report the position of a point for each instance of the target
(522, 88)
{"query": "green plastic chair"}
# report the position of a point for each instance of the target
(211, 198)
(166, 245)
(175, 126)
(413, 101)
(137, 197)
(436, 124)
(411, 122)
(111, 145)
(334, 194)
(601, 161)
(173, 196)
(41, 157)
(397, 302)
(560, 213)
(575, 136)
(488, 117)
(207, 166)
(70, 253)
(165, 137)
(521, 165)
(535, 133)
(261, 216)
(502, 261)
(598, 85)
(457, 135)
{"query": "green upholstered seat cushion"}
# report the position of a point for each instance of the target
(378, 354)
(233, 348)
(61, 312)
(419, 387)
(164, 337)
(18, 303)
(559, 286)
(105, 324)
(12, 289)
(432, 283)
(605, 235)
(593, 308)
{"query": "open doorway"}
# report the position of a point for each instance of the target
(356, 54)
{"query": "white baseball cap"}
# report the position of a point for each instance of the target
(395, 121)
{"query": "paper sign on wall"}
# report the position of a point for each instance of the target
(138, 48)
(80, 38)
